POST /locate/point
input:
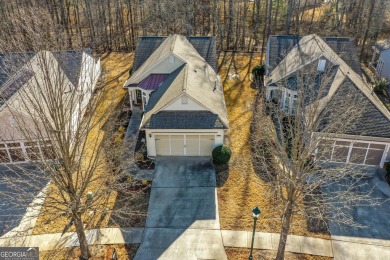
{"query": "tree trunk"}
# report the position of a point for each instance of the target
(276, 16)
(230, 25)
(286, 222)
(369, 19)
(78, 223)
(289, 14)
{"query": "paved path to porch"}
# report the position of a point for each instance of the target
(183, 221)
(133, 128)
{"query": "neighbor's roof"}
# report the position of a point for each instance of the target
(70, 63)
(10, 63)
(184, 120)
(311, 48)
(370, 123)
(281, 45)
(195, 78)
(146, 45)
(14, 74)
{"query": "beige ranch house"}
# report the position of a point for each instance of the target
(176, 84)
(21, 75)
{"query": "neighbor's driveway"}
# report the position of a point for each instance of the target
(19, 184)
(183, 221)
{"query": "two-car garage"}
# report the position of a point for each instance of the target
(184, 144)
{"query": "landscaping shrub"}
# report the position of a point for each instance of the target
(380, 85)
(221, 154)
(258, 72)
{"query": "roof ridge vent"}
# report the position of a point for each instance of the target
(173, 42)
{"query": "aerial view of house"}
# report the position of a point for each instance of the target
(176, 84)
(171, 129)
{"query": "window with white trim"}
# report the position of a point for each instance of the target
(379, 67)
(356, 152)
(12, 152)
(321, 65)
(290, 101)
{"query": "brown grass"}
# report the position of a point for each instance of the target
(99, 252)
(115, 67)
(243, 189)
(243, 253)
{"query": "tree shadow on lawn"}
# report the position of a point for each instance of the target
(222, 173)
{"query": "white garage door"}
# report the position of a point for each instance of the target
(184, 145)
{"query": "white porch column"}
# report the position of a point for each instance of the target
(131, 99)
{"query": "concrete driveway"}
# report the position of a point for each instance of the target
(374, 215)
(183, 221)
(19, 184)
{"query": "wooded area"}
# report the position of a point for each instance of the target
(239, 25)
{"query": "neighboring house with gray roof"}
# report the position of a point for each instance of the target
(312, 69)
(21, 75)
(380, 61)
(278, 46)
(176, 84)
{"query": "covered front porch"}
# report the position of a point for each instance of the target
(138, 98)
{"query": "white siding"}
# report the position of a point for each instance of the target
(178, 105)
(166, 65)
(385, 72)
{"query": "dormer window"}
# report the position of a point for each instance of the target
(184, 100)
(321, 65)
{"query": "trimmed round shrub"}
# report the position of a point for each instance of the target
(222, 154)
(258, 72)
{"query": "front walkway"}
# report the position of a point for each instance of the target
(133, 128)
(183, 221)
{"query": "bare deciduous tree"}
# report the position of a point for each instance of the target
(291, 144)
(67, 128)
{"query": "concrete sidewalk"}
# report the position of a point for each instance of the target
(340, 248)
(101, 236)
(133, 128)
(269, 241)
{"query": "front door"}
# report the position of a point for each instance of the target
(138, 96)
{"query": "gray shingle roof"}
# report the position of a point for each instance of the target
(371, 122)
(158, 93)
(146, 45)
(313, 83)
(70, 62)
(14, 84)
(375, 120)
(184, 120)
(281, 45)
(195, 79)
(10, 63)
